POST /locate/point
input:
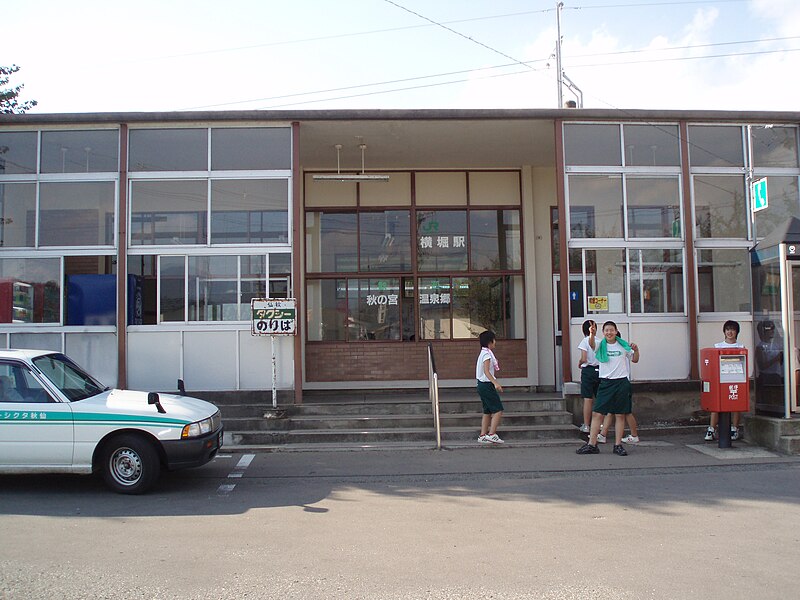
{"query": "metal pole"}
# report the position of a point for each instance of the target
(274, 374)
(559, 6)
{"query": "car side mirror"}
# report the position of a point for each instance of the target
(152, 398)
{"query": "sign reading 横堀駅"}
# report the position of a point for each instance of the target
(442, 241)
(274, 317)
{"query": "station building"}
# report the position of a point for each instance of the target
(134, 242)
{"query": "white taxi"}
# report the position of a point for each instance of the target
(55, 418)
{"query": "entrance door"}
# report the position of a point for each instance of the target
(794, 338)
(575, 309)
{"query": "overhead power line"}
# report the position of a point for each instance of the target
(507, 65)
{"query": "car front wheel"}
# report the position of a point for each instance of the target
(130, 464)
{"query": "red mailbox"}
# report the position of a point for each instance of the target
(723, 372)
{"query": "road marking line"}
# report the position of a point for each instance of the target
(237, 473)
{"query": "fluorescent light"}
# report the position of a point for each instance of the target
(349, 177)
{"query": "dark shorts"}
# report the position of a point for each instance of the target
(489, 398)
(613, 396)
(590, 381)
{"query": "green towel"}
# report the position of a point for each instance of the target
(602, 351)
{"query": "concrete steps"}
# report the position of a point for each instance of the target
(360, 420)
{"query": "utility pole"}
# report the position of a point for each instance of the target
(561, 77)
(559, 6)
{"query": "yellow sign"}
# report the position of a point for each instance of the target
(598, 303)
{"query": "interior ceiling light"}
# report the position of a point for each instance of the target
(339, 176)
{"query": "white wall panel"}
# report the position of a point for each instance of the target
(209, 360)
(95, 352)
(154, 360)
(255, 357)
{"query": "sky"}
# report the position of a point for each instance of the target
(179, 55)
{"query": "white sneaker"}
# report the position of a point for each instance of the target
(584, 428)
(494, 439)
(484, 439)
(630, 439)
(734, 433)
(601, 439)
(709, 435)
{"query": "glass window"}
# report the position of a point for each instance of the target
(91, 290)
(720, 206)
(441, 240)
(76, 213)
(249, 211)
(172, 281)
(385, 241)
(656, 281)
(213, 289)
(494, 237)
(168, 150)
(605, 273)
(80, 151)
(326, 309)
(18, 152)
(723, 280)
(477, 306)
(774, 147)
(603, 195)
(331, 242)
(280, 275)
(253, 284)
(30, 290)
(653, 207)
(435, 299)
(592, 145)
(17, 214)
(374, 309)
(142, 286)
(251, 149)
(651, 145)
(784, 204)
(169, 212)
(715, 146)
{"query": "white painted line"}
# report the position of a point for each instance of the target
(245, 461)
(237, 473)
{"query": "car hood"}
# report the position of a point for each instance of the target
(184, 408)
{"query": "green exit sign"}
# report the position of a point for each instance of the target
(759, 194)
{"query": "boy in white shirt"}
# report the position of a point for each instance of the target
(588, 365)
(488, 388)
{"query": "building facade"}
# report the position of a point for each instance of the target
(135, 242)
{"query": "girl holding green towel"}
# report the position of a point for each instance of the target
(614, 394)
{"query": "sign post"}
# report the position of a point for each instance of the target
(273, 318)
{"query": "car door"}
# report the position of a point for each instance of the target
(36, 431)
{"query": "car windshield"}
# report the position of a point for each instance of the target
(68, 377)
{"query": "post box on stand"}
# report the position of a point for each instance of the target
(726, 388)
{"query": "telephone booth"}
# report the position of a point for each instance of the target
(775, 265)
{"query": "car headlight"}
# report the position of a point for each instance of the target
(197, 428)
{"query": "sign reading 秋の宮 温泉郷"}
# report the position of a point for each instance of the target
(274, 317)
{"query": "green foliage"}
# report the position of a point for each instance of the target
(9, 96)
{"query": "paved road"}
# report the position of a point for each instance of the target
(668, 521)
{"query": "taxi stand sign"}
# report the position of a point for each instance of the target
(274, 317)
